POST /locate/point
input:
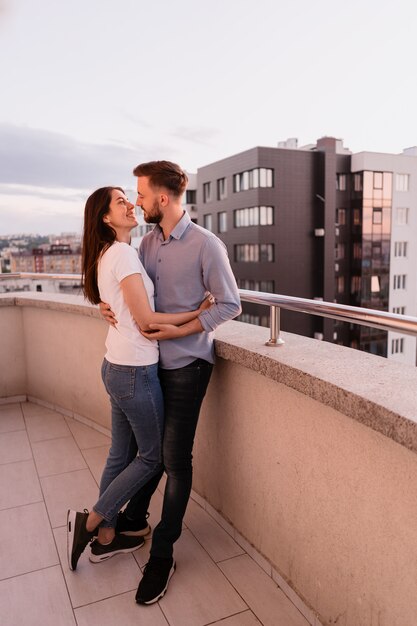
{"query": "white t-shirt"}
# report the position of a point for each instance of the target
(125, 345)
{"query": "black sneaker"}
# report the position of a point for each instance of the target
(154, 583)
(77, 536)
(121, 544)
(131, 527)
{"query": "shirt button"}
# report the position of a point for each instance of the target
(157, 278)
(159, 260)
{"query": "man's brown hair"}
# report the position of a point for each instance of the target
(164, 174)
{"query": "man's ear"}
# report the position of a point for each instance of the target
(164, 199)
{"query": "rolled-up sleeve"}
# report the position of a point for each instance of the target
(218, 278)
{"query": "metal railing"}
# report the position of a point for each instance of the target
(352, 314)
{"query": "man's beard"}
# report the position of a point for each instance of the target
(154, 216)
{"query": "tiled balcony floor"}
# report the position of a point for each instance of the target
(49, 463)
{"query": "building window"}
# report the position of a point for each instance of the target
(377, 216)
(375, 284)
(207, 192)
(267, 286)
(340, 217)
(254, 216)
(399, 310)
(341, 182)
(266, 252)
(356, 217)
(397, 345)
(355, 285)
(251, 252)
(252, 179)
(222, 222)
(221, 189)
(400, 281)
(400, 248)
(208, 221)
(357, 182)
(339, 251)
(340, 284)
(377, 180)
(401, 216)
(191, 196)
(357, 250)
(402, 182)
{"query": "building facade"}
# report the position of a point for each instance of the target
(319, 222)
(54, 259)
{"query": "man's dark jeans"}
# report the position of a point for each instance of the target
(183, 390)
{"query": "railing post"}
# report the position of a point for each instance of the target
(275, 339)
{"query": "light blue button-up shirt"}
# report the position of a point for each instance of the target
(183, 268)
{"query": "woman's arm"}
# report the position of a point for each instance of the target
(136, 298)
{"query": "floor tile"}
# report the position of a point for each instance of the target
(35, 599)
(96, 459)
(92, 582)
(73, 490)
(14, 446)
(85, 436)
(41, 427)
(262, 595)
(212, 537)
(26, 541)
(19, 484)
(198, 593)
(123, 610)
(11, 418)
(31, 409)
(241, 619)
(57, 456)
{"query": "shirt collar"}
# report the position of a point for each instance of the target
(179, 229)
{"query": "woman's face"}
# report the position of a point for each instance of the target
(121, 212)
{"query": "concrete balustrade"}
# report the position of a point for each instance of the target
(308, 451)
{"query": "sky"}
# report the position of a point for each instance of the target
(91, 88)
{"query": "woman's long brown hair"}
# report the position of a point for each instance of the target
(97, 237)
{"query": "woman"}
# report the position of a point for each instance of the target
(113, 273)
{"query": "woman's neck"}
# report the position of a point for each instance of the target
(123, 236)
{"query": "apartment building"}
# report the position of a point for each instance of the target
(319, 222)
(55, 259)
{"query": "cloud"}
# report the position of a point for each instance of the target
(202, 136)
(43, 158)
(61, 194)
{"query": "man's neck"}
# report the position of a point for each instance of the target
(170, 220)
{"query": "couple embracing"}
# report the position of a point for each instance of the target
(163, 307)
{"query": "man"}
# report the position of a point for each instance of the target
(184, 262)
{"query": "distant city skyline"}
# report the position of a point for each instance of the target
(90, 89)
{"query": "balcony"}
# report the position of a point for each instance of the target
(305, 486)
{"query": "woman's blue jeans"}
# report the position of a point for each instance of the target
(137, 425)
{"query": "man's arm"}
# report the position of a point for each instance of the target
(218, 278)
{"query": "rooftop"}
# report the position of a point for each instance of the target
(305, 474)
(50, 462)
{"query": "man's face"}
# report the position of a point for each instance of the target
(148, 201)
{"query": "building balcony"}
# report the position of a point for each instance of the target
(304, 500)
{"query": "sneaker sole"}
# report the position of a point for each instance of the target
(71, 515)
(98, 558)
(171, 573)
